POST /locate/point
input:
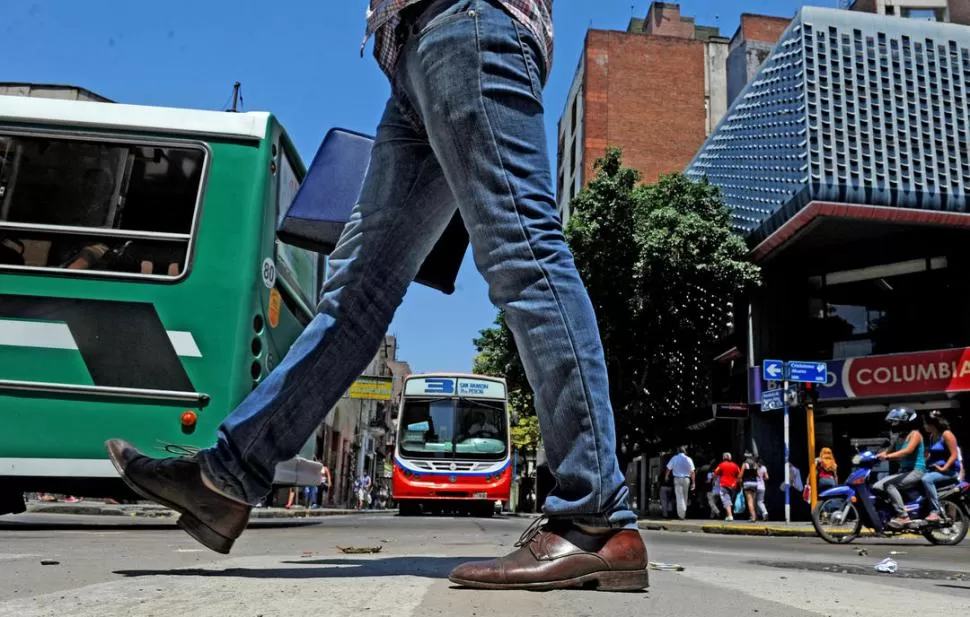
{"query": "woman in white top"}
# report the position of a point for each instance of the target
(760, 495)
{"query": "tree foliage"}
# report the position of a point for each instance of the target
(662, 266)
(498, 356)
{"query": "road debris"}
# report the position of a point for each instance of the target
(359, 550)
(887, 566)
(861, 551)
(670, 567)
(49, 562)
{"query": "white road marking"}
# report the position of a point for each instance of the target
(13, 556)
(239, 586)
(813, 591)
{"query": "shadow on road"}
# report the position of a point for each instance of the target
(427, 567)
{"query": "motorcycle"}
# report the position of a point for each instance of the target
(843, 511)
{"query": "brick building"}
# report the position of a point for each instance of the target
(657, 90)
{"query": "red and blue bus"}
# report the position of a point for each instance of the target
(452, 451)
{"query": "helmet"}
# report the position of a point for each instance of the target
(901, 417)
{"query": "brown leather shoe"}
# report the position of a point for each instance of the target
(558, 555)
(213, 520)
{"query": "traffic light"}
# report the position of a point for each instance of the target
(807, 394)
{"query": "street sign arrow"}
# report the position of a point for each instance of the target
(774, 370)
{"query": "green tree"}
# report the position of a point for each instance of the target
(661, 265)
(498, 356)
(525, 434)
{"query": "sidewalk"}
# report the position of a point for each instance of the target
(736, 528)
(149, 510)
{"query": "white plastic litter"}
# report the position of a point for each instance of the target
(887, 566)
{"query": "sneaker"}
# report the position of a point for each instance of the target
(730, 518)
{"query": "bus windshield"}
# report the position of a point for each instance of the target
(462, 428)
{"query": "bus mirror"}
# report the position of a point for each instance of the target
(325, 199)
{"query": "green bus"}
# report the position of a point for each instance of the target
(143, 288)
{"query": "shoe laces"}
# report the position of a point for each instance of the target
(179, 450)
(532, 531)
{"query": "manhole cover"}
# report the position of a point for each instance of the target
(833, 568)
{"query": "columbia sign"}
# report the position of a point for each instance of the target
(924, 372)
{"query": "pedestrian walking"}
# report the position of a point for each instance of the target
(681, 467)
(749, 484)
(762, 484)
(828, 470)
(728, 476)
(464, 128)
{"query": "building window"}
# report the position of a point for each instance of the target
(81, 205)
(572, 157)
(902, 307)
(922, 14)
(575, 114)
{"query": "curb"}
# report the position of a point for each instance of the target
(728, 529)
(161, 512)
(745, 529)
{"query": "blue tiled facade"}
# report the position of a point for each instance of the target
(849, 107)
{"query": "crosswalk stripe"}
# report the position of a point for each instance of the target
(237, 586)
(812, 591)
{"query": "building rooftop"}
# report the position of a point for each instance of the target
(849, 107)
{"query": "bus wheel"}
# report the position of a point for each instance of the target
(409, 508)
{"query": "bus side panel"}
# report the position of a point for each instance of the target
(209, 313)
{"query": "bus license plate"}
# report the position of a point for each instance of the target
(481, 495)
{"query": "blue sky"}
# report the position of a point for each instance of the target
(299, 59)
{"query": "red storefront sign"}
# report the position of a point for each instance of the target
(924, 372)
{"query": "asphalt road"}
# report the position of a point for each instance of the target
(286, 569)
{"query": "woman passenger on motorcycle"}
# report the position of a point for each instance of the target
(943, 460)
(912, 463)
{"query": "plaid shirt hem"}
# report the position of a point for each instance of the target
(383, 18)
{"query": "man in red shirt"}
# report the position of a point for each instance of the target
(728, 475)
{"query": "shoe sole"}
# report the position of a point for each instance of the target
(188, 522)
(612, 580)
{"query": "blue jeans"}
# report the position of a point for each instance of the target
(929, 488)
(463, 129)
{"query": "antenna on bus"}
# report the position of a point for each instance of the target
(237, 98)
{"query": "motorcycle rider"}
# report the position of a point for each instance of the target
(912, 464)
(943, 460)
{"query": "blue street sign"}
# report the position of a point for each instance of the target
(772, 400)
(808, 372)
(774, 370)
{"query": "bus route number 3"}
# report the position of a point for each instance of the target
(439, 386)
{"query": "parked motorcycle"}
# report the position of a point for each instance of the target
(843, 512)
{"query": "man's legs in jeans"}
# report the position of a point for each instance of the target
(403, 207)
(468, 104)
(473, 76)
(682, 489)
